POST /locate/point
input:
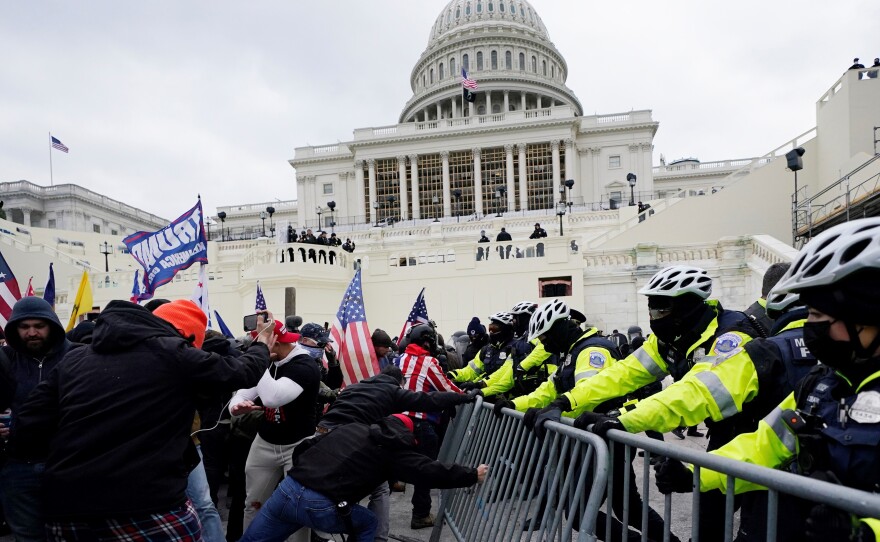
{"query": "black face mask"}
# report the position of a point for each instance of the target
(837, 354)
(666, 329)
(502, 337)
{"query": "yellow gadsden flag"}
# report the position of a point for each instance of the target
(83, 302)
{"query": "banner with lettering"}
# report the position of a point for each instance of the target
(169, 250)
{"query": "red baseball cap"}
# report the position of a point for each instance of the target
(407, 421)
(281, 334)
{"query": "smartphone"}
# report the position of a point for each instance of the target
(250, 320)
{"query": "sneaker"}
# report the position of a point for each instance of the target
(398, 487)
(678, 432)
(421, 523)
(693, 432)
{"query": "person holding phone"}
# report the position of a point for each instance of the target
(286, 394)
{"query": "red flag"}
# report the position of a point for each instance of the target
(30, 288)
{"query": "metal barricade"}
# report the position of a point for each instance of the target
(555, 485)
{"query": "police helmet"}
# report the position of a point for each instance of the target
(524, 307)
(420, 334)
(503, 318)
(678, 280)
(546, 316)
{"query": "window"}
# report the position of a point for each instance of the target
(479, 6)
(467, 9)
(114, 232)
(501, 6)
(614, 161)
(457, 13)
(553, 71)
(544, 67)
(534, 65)
(491, 6)
(51, 223)
(554, 286)
(328, 188)
(465, 64)
(481, 110)
(512, 8)
(479, 61)
(508, 60)
(441, 71)
(96, 228)
(522, 60)
(432, 76)
(452, 70)
(496, 108)
(449, 17)
(423, 81)
(494, 57)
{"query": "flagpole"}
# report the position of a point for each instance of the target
(51, 176)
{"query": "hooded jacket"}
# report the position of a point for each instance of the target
(115, 417)
(348, 463)
(378, 396)
(25, 370)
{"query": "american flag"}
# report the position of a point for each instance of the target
(467, 82)
(418, 314)
(260, 305)
(136, 289)
(9, 292)
(200, 294)
(57, 144)
(350, 332)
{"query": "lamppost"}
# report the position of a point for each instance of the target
(435, 201)
(569, 183)
(376, 212)
(209, 222)
(457, 195)
(332, 206)
(271, 211)
(560, 211)
(499, 198)
(390, 200)
(263, 216)
(222, 216)
(106, 249)
(319, 210)
(795, 163)
(631, 179)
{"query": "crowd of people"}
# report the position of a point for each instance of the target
(308, 237)
(126, 427)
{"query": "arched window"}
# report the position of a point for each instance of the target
(496, 108)
(501, 6)
(522, 60)
(553, 71)
(467, 10)
(534, 64)
(544, 67)
(494, 57)
(449, 16)
(479, 6)
(457, 13)
(423, 81)
(466, 66)
(508, 61)
(452, 70)
(479, 60)
(491, 6)
(432, 76)
(442, 74)
(481, 110)
(512, 8)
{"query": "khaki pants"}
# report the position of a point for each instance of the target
(267, 464)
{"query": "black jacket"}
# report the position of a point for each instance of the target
(373, 398)
(349, 462)
(115, 416)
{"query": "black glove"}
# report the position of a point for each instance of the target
(468, 386)
(600, 422)
(332, 360)
(502, 403)
(474, 393)
(551, 413)
(828, 523)
(588, 418)
(673, 477)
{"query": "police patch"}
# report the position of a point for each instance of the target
(866, 408)
(502, 356)
(597, 360)
(721, 358)
(726, 343)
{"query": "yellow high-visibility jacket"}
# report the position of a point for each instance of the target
(501, 380)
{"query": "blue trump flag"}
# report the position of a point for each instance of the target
(49, 292)
(173, 248)
(224, 329)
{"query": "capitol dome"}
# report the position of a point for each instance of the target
(506, 49)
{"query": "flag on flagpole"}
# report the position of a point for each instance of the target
(83, 302)
(29, 292)
(57, 144)
(49, 292)
(354, 345)
(468, 86)
(260, 304)
(418, 315)
(9, 292)
(200, 295)
(136, 289)
(224, 329)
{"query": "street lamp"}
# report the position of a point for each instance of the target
(209, 222)
(457, 195)
(435, 200)
(271, 211)
(569, 183)
(319, 210)
(499, 198)
(631, 179)
(376, 212)
(332, 206)
(106, 249)
(390, 200)
(222, 216)
(263, 216)
(560, 211)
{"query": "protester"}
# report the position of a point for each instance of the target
(483, 238)
(503, 235)
(478, 339)
(384, 347)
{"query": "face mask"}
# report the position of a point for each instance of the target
(837, 354)
(314, 352)
(666, 329)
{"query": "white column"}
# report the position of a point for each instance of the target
(537, 101)
(522, 98)
(439, 115)
(359, 191)
(506, 101)
(647, 169)
(312, 184)
(488, 103)
(523, 185)
(596, 153)
(26, 220)
(569, 163)
(454, 108)
(404, 200)
(414, 175)
(478, 182)
(447, 203)
(471, 108)
(374, 197)
(557, 181)
(508, 161)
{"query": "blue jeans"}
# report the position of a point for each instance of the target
(22, 500)
(293, 506)
(199, 493)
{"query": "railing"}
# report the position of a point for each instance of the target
(10, 239)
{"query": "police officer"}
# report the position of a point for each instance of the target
(502, 346)
(830, 426)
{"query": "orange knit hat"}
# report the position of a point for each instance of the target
(186, 317)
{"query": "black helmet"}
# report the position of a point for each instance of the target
(634, 331)
(420, 334)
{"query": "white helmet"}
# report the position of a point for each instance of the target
(780, 302)
(504, 318)
(833, 255)
(678, 280)
(524, 307)
(544, 318)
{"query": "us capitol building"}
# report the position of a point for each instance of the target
(414, 196)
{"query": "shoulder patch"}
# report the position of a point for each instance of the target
(597, 359)
(866, 408)
(721, 358)
(726, 343)
(502, 356)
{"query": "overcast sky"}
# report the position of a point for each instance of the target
(159, 101)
